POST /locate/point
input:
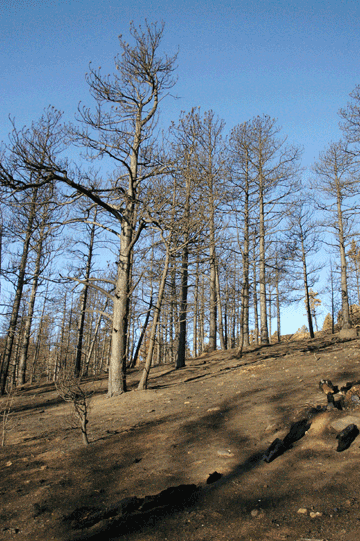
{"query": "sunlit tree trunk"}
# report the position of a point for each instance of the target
(30, 314)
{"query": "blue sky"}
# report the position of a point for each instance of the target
(296, 61)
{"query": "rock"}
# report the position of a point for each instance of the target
(346, 437)
(302, 511)
(335, 402)
(340, 424)
(254, 513)
(213, 409)
(348, 333)
(327, 387)
(272, 427)
(315, 514)
(225, 453)
(352, 397)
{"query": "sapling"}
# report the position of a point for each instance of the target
(6, 412)
(71, 389)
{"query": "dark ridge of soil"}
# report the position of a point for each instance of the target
(144, 475)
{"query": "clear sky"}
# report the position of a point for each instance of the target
(295, 60)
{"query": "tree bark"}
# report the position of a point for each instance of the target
(145, 375)
(219, 308)
(264, 334)
(30, 314)
(344, 287)
(306, 288)
(84, 296)
(18, 294)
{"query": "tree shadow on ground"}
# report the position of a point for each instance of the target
(122, 466)
(199, 433)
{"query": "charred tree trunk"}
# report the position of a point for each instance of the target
(84, 297)
(9, 342)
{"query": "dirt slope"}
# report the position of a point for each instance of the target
(217, 414)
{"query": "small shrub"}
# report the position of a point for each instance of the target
(6, 413)
(71, 389)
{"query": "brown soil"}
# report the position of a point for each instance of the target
(217, 414)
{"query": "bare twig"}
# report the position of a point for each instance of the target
(6, 412)
(70, 389)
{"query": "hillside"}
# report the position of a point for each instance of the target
(218, 414)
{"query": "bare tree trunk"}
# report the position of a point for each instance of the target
(213, 306)
(68, 341)
(38, 340)
(195, 317)
(270, 306)
(18, 294)
(117, 365)
(226, 308)
(344, 287)
(180, 360)
(306, 287)
(60, 349)
(142, 334)
(30, 314)
(245, 293)
(332, 299)
(278, 330)
(264, 335)
(234, 311)
(202, 315)
(84, 296)
(219, 307)
(255, 299)
(151, 346)
(92, 345)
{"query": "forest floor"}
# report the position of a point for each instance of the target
(218, 414)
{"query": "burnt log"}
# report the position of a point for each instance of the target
(277, 448)
(346, 437)
(297, 431)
